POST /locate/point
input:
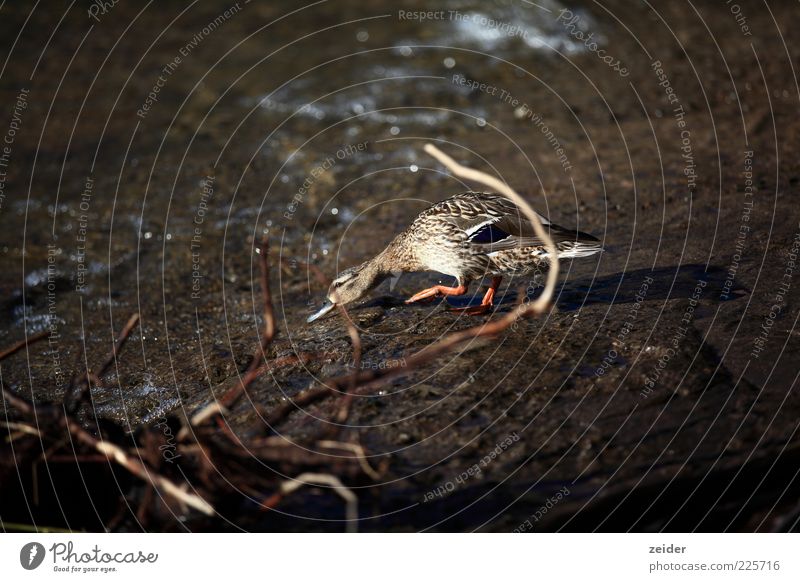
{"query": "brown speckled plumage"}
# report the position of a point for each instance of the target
(442, 238)
(468, 236)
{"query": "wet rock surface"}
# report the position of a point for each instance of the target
(659, 393)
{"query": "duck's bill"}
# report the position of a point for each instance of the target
(327, 307)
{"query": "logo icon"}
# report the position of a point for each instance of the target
(31, 555)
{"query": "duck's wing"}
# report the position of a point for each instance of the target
(493, 237)
(502, 226)
(491, 222)
(474, 212)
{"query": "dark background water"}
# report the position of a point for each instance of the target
(150, 144)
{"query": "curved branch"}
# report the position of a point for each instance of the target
(541, 304)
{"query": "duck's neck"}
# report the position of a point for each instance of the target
(376, 269)
(397, 256)
(380, 266)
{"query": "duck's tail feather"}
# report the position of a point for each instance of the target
(570, 244)
(573, 249)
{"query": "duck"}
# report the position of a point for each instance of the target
(469, 236)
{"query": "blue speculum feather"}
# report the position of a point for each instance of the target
(488, 234)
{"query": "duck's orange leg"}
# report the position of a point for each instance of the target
(486, 304)
(436, 291)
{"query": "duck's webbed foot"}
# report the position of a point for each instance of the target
(438, 291)
(486, 304)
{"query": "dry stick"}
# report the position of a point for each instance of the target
(121, 339)
(347, 398)
(352, 330)
(267, 334)
(256, 366)
(291, 485)
(107, 449)
(358, 451)
(355, 339)
(367, 379)
(82, 382)
(20, 428)
(74, 379)
(302, 400)
(19, 403)
(115, 453)
(23, 343)
(141, 514)
(266, 296)
(541, 304)
(216, 407)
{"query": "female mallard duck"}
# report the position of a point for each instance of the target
(468, 236)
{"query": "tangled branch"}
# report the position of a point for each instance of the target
(251, 464)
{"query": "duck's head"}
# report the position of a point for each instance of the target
(351, 285)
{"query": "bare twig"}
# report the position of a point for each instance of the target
(347, 398)
(256, 366)
(20, 430)
(216, 407)
(357, 450)
(22, 427)
(121, 339)
(303, 399)
(111, 451)
(23, 343)
(322, 463)
(19, 403)
(266, 296)
(352, 330)
(543, 302)
(256, 363)
(289, 486)
(343, 412)
(135, 466)
(81, 383)
(368, 378)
